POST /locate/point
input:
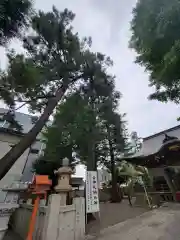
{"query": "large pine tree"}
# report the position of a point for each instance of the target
(55, 60)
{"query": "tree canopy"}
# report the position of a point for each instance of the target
(156, 39)
(14, 16)
(67, 136)
(87, 130)
(72, 127)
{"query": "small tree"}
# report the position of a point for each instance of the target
(131, 174)
(67, 136)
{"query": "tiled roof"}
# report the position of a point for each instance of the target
(162, 132)
(153, 143)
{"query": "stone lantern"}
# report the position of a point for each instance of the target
(63, 187)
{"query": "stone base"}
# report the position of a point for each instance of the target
(5, 212)
(2, 233)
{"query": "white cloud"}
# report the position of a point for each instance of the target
(108, 22)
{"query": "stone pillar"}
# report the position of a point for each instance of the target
(79, 218)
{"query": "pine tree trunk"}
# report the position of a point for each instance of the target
(115, 194)
(10, 158)
(91, 161)
(114, 184)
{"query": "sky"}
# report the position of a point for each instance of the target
(108, 23)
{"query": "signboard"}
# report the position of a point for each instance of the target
(92, 196)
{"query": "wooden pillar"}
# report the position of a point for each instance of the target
(170, 184)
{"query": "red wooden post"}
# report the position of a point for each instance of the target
(33, 219)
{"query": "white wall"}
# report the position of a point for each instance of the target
(27, 172)
(6, 141)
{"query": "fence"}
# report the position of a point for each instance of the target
(53, 222)
(65, 222)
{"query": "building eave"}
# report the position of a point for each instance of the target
(12, 132)
(135, 157)
(16, 133)
(162, 132)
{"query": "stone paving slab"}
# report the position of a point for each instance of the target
(159, 224)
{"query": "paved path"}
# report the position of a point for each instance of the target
(113, 213)
(159, 224)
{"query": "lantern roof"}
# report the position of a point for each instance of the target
(41, 180)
